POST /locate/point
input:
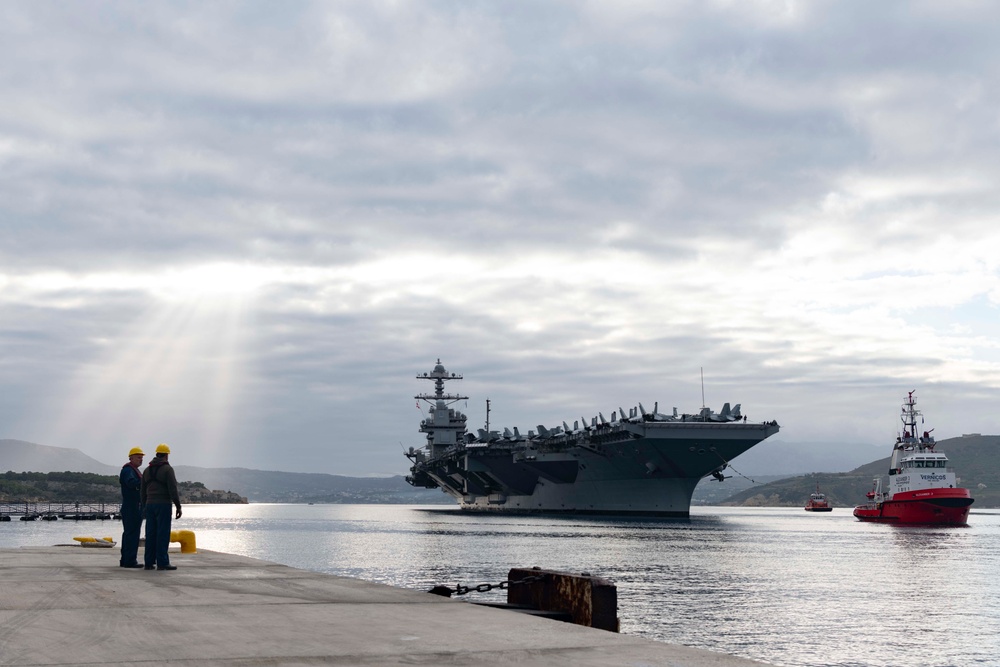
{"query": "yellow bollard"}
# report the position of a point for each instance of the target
(186, 538)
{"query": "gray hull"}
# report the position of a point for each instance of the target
(647, 469)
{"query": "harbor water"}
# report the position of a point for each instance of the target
(779, 585)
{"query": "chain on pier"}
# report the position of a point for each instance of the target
(483, 588)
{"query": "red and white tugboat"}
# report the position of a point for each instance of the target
(922, 488)
(817, 502)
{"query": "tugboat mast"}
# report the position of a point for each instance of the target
(909, 416)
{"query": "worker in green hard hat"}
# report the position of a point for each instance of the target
(159, 490)
(130, 480)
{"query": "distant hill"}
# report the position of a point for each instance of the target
(86, 487)
(257, 485)
(296, 487)
(22, 456)
(713, 492)
(784, 458)
(773, 460)
(975, 458)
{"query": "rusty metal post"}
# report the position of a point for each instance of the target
(590, 601)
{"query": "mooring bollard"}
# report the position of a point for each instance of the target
(590, 601)
(187, 540)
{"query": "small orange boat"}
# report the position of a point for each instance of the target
(818, 503)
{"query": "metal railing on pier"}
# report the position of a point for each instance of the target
(55, 511)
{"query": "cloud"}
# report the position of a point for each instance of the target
(245, 229)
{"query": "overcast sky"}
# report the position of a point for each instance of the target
(243, 228)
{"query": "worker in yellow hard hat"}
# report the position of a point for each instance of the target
(130, 480)
(159, 490)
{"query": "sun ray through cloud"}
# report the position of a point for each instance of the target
(239, 228)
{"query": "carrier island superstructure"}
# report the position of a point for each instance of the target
(642, 463)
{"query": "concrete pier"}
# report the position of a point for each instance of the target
(67, 605)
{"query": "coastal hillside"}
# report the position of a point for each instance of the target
(710, 491)
(260, 486)
(974, 458)
(23, 456)
(786, 458)
(85, 487)
(296, 487)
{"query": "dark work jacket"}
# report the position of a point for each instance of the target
(159, 484)
(131, 483)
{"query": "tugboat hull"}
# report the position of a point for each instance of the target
(818, 503)
(940, 507)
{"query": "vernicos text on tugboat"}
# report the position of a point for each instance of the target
(645, 463)
(923, 490)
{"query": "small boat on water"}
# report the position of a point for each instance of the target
(923, 490)
(818, 503)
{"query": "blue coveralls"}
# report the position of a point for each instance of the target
(131, 482)
(158, 518)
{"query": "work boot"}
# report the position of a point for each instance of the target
(166, 567)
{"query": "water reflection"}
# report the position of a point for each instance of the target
(783, 586)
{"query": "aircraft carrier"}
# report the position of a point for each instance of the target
(643, 463)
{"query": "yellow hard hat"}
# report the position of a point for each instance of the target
(134, 451)
(162, 449)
